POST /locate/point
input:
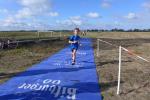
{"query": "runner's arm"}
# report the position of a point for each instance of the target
(72, 41)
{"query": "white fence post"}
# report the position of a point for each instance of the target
(119, 71)
(98, 47)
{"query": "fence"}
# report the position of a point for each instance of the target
(120, 58)
(29, 34)
(12, 39)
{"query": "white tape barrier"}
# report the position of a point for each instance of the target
(130, 52)
(108, 43)
(120, 58)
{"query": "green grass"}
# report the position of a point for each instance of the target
(115, 35)
(30, 35)
(119, 35)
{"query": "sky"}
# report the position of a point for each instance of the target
(68, 14)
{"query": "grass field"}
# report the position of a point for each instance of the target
(135, 80)
(14, 61)
(30, 35)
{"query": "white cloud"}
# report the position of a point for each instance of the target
(24, 13)
(93, 15)
(76, 20)
(75, 17)
(53, 14)
(72, 21)
(131, 16)
(146, 5)
(39, 5)
(69, 22)
(29, 10)
(11, 24)
(33, 8)
(8, 21)
(106, 3)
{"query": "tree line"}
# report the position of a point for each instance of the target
(118, 30)
(91, 30)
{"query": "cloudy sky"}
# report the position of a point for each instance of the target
(67, 14)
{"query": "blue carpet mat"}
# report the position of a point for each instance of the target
(56, 79)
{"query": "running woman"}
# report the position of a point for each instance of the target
(74, 41)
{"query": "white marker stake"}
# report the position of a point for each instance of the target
(119, 72)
